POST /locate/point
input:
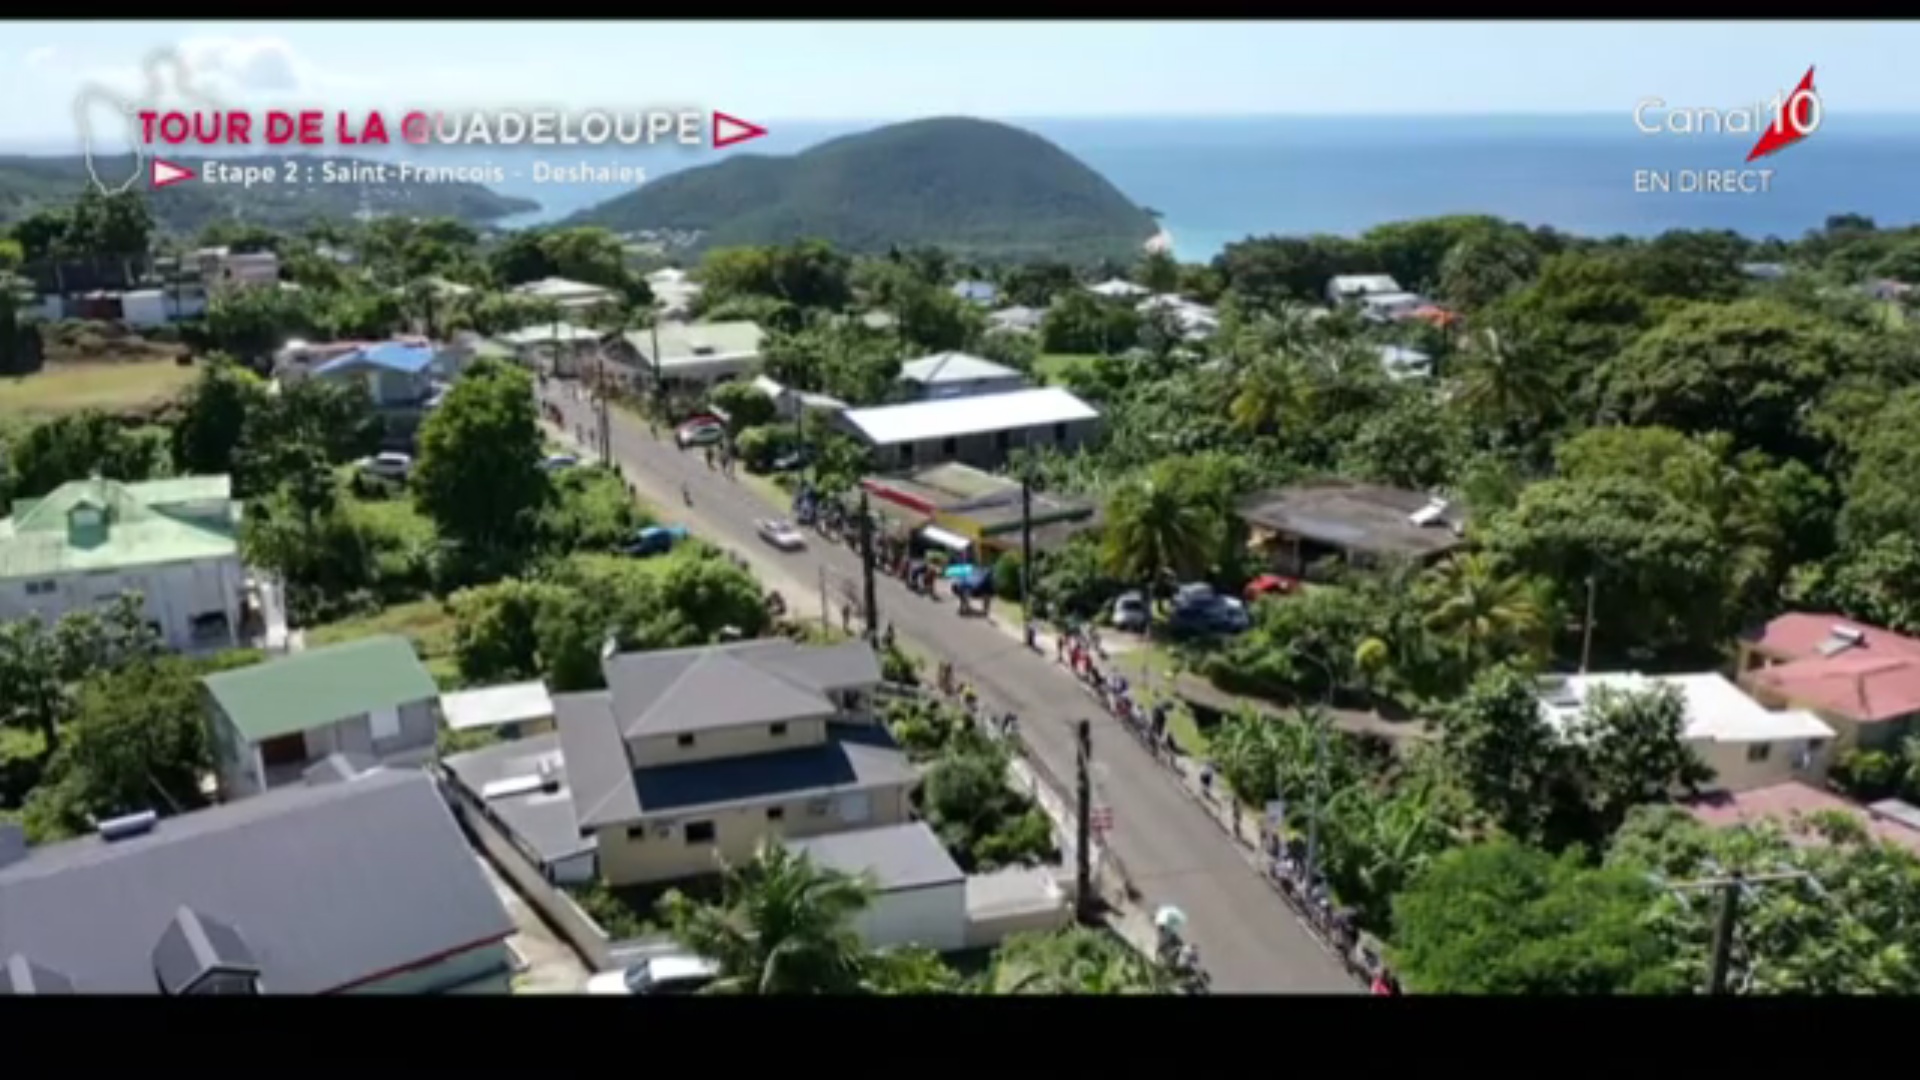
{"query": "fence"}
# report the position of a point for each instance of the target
(555, 906)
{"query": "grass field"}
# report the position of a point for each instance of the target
(69, 388)
(427, 623)
(1053, 367)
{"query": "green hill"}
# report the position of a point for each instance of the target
(974, 187)
(28, 184)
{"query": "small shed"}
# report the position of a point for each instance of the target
(512, 710)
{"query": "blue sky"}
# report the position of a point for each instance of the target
(1008, 70)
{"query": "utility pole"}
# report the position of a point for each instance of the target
(866, 568)
(826, 615)
(1026, 541)
(1586, 631)
(1083, 844)
(1727, 917)
(659, 383)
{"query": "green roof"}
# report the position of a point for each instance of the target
(688, 343)
(162, 521)
(318, 687)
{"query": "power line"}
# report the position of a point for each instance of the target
(1730, 887)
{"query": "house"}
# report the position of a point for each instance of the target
(979, 430)
(983, 293)
(1391, 306)
(1764, 271)
(452, 360)
(223, 267)
(520, 789)
(1788, 806)
(1886, 289)
(1746, 744)
(1861, 679)
(1116, 289)
(978, 508)
(693, 754)
(688, 355)
(1345, 287)
(365, 886)
(396, 374)
(88, 541)
(957, 374)
(558, 348)
(920, 893)
(1366, 524)
(1016, 320)
(510, 710)
(673, 292)
(1405, 363)
(573, 298)
(296, 359)
(369, 697)
(790, 404)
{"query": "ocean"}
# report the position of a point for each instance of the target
(1218, 180)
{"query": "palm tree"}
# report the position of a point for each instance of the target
(1155, 528)
(1079, 960)
(1503, 382)
(1273, 391)
(1487, 615)
(783, 926)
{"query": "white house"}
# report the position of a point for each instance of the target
(1197, 322)
(983, 293)
(555, 347)
(1116, 289)
(568, 296)
(1344, 287)
(979, 430)
(791, 404)
(397, 374)
(958, 374)
(673, 292)
(1016, 320)
(223, 266)
(89, 541)
(689, 354)
(1746, 744)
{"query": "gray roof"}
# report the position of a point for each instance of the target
(896, 857)
(195, 946)
(543, 821)
(327, 886)
(752, 683)
(337, 767)
(954, 367)
(21, 976)
(1353, 516)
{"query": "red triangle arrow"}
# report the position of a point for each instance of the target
(728, 130)
(166, 172)
(1785, 129)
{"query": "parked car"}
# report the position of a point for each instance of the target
(1131, 613)
(1271, 585)
(780, 534)
(700, 433)
(1198, 609)
(556, 462)
(654, 540)
(657, 975)
(387, 465)
(793, 460)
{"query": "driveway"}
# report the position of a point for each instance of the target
(1248, 938)
(552, 967)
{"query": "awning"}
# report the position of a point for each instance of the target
(945, 539)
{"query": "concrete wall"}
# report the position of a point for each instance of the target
(1017, 900)
(559, 910)
(934, 916)
(658, 850)
(725, 743)
(419, 728)
(1734, 771)
(987, 451)
(174, 593)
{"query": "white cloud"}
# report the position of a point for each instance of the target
(42, 58)
(238, 71)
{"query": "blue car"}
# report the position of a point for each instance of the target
(654, 540)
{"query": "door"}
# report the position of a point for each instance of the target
(285, 750)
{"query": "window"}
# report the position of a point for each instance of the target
(856, 807)
(41, 588)
(685, 740)
(385, 723)
(949, 446)
(776, 813)
(777, 730)
(1759, 751)
(1060, 432)
(818, 808)
(906, 453)
(699, 832)
(636, 832)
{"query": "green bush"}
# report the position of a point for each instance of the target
(1867, 775)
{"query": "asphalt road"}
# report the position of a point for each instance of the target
(1249, 940)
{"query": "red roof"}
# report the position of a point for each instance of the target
(1784, 804)
(1799, 634)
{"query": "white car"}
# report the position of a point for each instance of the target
(657, 975)
(781, 534)
(391, 466)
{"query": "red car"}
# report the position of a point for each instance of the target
(1271, 584)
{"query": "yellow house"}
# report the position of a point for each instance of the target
(691, 757)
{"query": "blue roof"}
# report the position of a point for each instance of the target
(392, 355)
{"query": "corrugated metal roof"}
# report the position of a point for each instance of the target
(491, 706)
(952, 367)
(326, 886)
(146, 524)
(684, 344)
(388, 356)
(317, 687)
(952, 417)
